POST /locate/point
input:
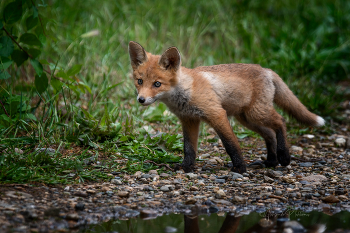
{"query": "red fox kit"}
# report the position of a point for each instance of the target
(211, 94)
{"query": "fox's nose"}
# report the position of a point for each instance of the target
(141, 100)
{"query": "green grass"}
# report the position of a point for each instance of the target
(306, 43)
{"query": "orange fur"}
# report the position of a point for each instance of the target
(211, 93)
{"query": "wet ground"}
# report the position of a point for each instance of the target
(290, 220)
(318, 179)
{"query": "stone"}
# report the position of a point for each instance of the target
(235, 175)
(146, 176)
(331, 199)
(148, 214)
(220, 181)
(222, 202)
(123, 194)
(164, 188)
(45, 150)
(191, 201)
(116, 181)
(309, 136)
(268, 179)
(306, 164)
(272, 173)
(238, 199)
(80, 206)
(153, 172)
(213, 161)
(192, 176)
(341, 142)
(314, 178)
(296, 150)
(138, 174)
(220, 194)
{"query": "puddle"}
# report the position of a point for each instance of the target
(288, 222)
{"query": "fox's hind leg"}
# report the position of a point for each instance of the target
(271, 119)
(269, 136)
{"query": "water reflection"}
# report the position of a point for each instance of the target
(287, 222)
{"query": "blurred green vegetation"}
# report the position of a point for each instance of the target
(90, 100)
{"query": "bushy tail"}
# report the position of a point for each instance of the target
(285, 99)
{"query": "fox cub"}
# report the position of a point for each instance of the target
(211, 94)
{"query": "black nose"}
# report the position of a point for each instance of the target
(141, 100)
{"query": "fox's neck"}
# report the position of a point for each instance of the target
(178, 99)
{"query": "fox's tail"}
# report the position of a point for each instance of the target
(285, 99)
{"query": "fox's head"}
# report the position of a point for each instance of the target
(154, 76)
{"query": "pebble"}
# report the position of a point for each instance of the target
(306, 164)
(235, 175)
(315, 178)
(220, 181)
(192, 176)
(123, 194)
(169, 229)
(340, 142)
(331, 199)
(116, 181)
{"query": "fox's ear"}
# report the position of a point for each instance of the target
(171, 59)
(137, 54)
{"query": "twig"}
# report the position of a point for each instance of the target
(306, 160)
(4, 108)
(159, 164)
(29, 55)
(40, 20)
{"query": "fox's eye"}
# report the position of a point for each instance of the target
(139, 81)
(157, 84)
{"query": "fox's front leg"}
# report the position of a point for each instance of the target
(218, 120)
(190, 128)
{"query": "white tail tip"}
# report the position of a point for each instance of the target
(320, 121)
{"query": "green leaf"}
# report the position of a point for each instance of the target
(7, 46)
(19, 57)
(31, 22)
(5, 63)
(56, 84)
(4, 74)
(37, 67)
(35, 11)
(1, 25)
(30, 39)
(62, 74)
(13, 12)
(41, 82)
(74, 70)
(34, 52)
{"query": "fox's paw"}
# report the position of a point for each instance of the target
(283, 157)
(271, 163)
(186, 168)
(239, 169)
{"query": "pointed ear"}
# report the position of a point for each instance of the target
(171, 59)
(137, 54)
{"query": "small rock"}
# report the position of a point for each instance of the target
(272, 173)
(309, 136)
(331, 199)
(306, 164)
(67, 188)
(341, 142)
(164, 188)
(164, 175)
(123, 194)
(296, 150)
(192, 176)
(52, 212)
(194, 188)
(148, 214)
(146, 176)
(213, 161)
(238, 199)
(318, 145)
(268, 179)
(235, 175)
(314, 178)
(191, 201)
(80, 206)
(138, 174)
(153, 172)
(116, 181)
(220, 194)
(220, 181)
(45, 150)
